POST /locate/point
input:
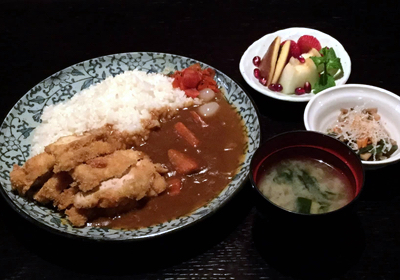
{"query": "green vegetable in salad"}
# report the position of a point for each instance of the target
(378, 150)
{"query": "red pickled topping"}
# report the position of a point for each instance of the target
(177, 80)
(208, 83)
(193, 79)
(256, 61)
(192, 92)
(257, 73)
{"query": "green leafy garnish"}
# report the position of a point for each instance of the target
(331, 64)
(325, 81)
(332, 61)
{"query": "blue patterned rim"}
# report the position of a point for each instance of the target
(16, 137)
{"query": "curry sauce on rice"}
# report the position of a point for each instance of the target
(134, 150)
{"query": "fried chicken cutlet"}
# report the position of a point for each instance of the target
(34, 173)
(142, 180)
(80, 216)
(53, 188)
(75, 142)
(70, 151)
(117, 195)
(90, 175)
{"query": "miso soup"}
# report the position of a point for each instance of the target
(306, 185)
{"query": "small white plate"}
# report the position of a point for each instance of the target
(259, 47)
(323, 110)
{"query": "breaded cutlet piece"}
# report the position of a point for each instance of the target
(33, 173)
(158, 185)
(90, 175)
(53, 187)
(78, 217)
(142, 180)
(74, 142)
(70, 142)
(72, 150)
(66, 198)
(72, 158)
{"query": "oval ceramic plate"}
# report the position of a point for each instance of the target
(259, 47)
(323, 110)
(16, 136)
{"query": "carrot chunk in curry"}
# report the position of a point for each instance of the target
(174, 185)
(186, 134)
(197, 119)
(182, 163)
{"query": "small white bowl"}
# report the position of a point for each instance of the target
(259, 47)
(324, 108)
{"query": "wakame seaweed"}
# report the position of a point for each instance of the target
(303, 205)
(284, 177)
(309, 181)
(311, 184)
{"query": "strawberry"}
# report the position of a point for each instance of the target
(307, 42)
(294, 49)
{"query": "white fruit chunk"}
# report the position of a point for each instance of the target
(295, 74)
(312, 52)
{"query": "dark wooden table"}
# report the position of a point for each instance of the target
(39, 38)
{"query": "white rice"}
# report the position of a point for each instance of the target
(123, 101)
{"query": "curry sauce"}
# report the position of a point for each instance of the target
(221, 149)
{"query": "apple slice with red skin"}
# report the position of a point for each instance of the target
(268, 62)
